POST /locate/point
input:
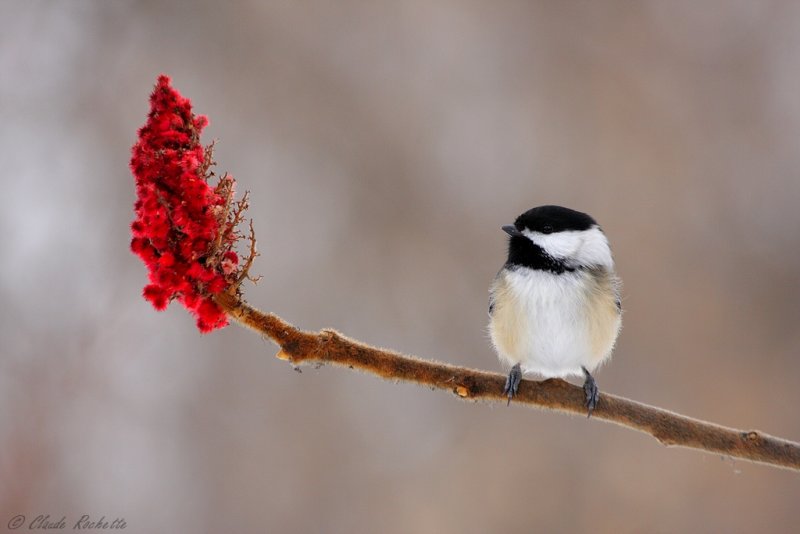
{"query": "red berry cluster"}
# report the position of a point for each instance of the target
(183, 230)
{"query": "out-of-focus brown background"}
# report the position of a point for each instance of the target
(384, 146)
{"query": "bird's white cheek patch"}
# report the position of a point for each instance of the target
(595, 249)
(587, 247)
(559, 245)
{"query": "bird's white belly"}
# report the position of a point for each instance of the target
(541, 321)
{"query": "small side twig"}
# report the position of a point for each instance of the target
(671, 429)
(245, 271)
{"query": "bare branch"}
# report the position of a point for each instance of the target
(669, 428)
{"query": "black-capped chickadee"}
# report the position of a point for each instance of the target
(554, 307)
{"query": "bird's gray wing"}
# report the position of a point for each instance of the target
(616, 285)
(492, 290)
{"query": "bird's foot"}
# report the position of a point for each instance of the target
(591, 390)
(512, 382)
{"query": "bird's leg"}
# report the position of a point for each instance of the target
(512, 382)
(591, 391)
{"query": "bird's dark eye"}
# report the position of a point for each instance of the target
(547, 229)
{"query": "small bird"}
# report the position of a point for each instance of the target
(554, 307)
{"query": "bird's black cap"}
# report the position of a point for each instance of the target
(550, 219)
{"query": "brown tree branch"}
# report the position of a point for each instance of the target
(669, 428)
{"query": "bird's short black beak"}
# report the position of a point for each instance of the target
(511, 230)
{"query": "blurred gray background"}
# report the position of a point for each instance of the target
(384, 144)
